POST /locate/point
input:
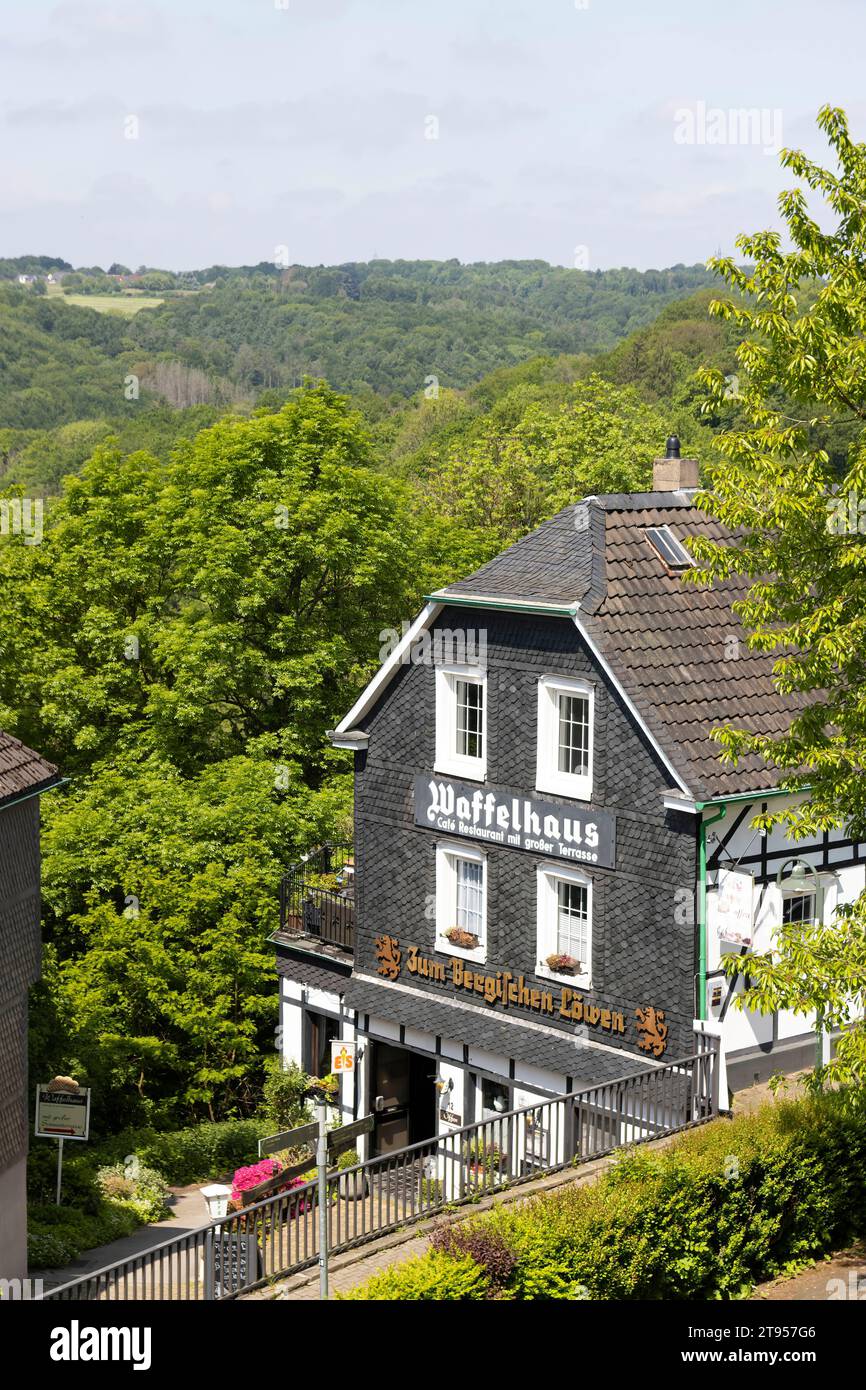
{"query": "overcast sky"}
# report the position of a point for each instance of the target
(558, 126)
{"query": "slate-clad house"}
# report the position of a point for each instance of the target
(550, 861)
(23, 777)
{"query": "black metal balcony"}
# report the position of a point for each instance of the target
(317, 897)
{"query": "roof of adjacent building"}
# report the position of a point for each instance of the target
(22, 771)
(677, 650)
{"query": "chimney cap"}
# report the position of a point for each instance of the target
(672, 447)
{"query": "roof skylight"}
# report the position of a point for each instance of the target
(672, 551)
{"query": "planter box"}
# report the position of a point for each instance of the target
(469, 941)
(564, 969)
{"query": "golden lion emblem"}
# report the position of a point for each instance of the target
(653, 1030)
(389, 956)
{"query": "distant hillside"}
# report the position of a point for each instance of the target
(425, 349)
(389, 326)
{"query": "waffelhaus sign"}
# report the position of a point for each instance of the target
(518, 822)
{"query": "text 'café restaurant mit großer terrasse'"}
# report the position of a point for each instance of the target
(550, 861)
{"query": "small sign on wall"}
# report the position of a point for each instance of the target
(342, 1057)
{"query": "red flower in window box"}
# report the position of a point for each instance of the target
(563, 965)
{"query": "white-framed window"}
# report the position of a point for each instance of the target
(565, 924)
(461, 721)
(565, 737)
(799, 907)
(461, 900)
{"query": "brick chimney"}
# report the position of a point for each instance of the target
(673, 474)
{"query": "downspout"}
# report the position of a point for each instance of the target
(702, 902)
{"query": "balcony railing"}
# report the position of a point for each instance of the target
(317, 897)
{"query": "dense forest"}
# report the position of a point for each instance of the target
(386, 329)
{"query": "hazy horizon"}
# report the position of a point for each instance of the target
(589, 133)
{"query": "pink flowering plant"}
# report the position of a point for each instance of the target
(246, 1178)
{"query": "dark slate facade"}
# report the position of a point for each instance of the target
(23, 774)
(642, 928)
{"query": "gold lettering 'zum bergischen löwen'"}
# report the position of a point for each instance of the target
(512, 991)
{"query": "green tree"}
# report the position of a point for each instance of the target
(801, 546)
(532, 456)
(179, 642)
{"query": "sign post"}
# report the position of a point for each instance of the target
(322, 1161)
(62, 1112)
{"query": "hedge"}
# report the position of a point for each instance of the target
(722, 1208)
(200, 1153)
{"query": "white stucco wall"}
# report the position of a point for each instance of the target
(747, 1029)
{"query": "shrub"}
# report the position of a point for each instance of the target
(59, 1234)
(435, 1276)
(349, 1158)
(725, 1206)
(137, 1188)
(284, 1104)
(488, 1248)
(199, 1153)
(47, 1250)
(114, 1182)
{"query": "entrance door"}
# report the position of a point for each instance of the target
(403, 1098)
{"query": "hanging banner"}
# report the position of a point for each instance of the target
(342, 1056)
(734, 910)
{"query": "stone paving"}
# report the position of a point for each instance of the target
(840, 1278)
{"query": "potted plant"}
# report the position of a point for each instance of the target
(563, 964)
(354, 1187)
(458, 936)
(431, 1191)
(483, 1158)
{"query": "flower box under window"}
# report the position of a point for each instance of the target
(458, 936)
(563, 965)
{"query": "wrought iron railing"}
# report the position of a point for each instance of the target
(317, 897)
(280, 1234)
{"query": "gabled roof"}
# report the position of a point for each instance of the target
(23, 772)
(667, 645)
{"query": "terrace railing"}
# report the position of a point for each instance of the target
(280, 1234)
(317, 897)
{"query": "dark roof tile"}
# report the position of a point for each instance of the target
(667, 643)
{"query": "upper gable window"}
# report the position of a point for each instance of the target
(672, 551)
(461, 721)
(566, 712)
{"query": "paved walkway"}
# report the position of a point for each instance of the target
(188, 1213)
(843, 1277)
